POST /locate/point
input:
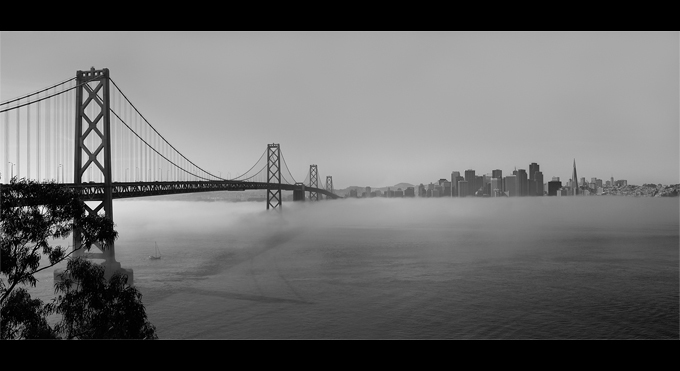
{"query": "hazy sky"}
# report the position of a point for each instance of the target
(379, 108)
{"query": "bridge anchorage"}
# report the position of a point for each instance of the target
(299, 192)
(117, 153)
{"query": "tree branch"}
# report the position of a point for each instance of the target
(61, 260)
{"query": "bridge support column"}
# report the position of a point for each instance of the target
(299, 194)
(273, 176)
(313, 182)
(92, 94)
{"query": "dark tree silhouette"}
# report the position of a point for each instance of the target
(93, 307)
(32, 214)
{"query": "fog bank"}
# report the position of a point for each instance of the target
(138, 218)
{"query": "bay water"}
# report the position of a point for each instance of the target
(498, 268)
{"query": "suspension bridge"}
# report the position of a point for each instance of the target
(84, 133)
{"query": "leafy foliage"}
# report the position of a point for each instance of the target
(32, 214)
(24, 318)
(95, 308)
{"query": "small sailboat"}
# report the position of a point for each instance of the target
(157, 254)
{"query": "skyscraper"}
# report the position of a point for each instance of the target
(440, 184)
(533, 184)
(533, 167)
(454, 183)
(486, 183)
(522, 182)
(498, 174)
(538, 180)
(479, 184)
(462, 188)
(574, 180)
(510, 185)
(446, 188)
(554, 186)
(457, 190)
(496, 187)
(470, 179)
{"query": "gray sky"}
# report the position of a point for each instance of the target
(379, 108)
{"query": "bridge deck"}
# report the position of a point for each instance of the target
(95, 191)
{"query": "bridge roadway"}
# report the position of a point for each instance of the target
(95, 191)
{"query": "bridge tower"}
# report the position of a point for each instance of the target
(92, 94)
(329, 185)
(313, 182)
(274, 176)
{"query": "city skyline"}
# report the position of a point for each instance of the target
(500, 171)
(382, 108)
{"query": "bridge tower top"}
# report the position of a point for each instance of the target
(91, 73)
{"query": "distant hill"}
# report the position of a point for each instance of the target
(402, 186)
(360, 189)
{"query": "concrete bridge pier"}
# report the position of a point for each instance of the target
(110, 268)
(299, 194)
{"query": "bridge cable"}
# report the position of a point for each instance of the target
(47, 97)
(254, 175)
(286, 165)
(258, 161)
(37, 92)
(159, 134)
(287, 181)
(140, 138)
(129, 128)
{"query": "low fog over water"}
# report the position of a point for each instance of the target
(527, 268)
(160, 217)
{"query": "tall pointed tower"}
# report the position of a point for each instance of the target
(574, 180)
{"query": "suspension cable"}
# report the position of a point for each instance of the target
(47, 97)
(287, 181)
(159, 134)
(251, 177)
(140, 138)
(286, 165)
(258, 161)
(129, 128)
(37, 92)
